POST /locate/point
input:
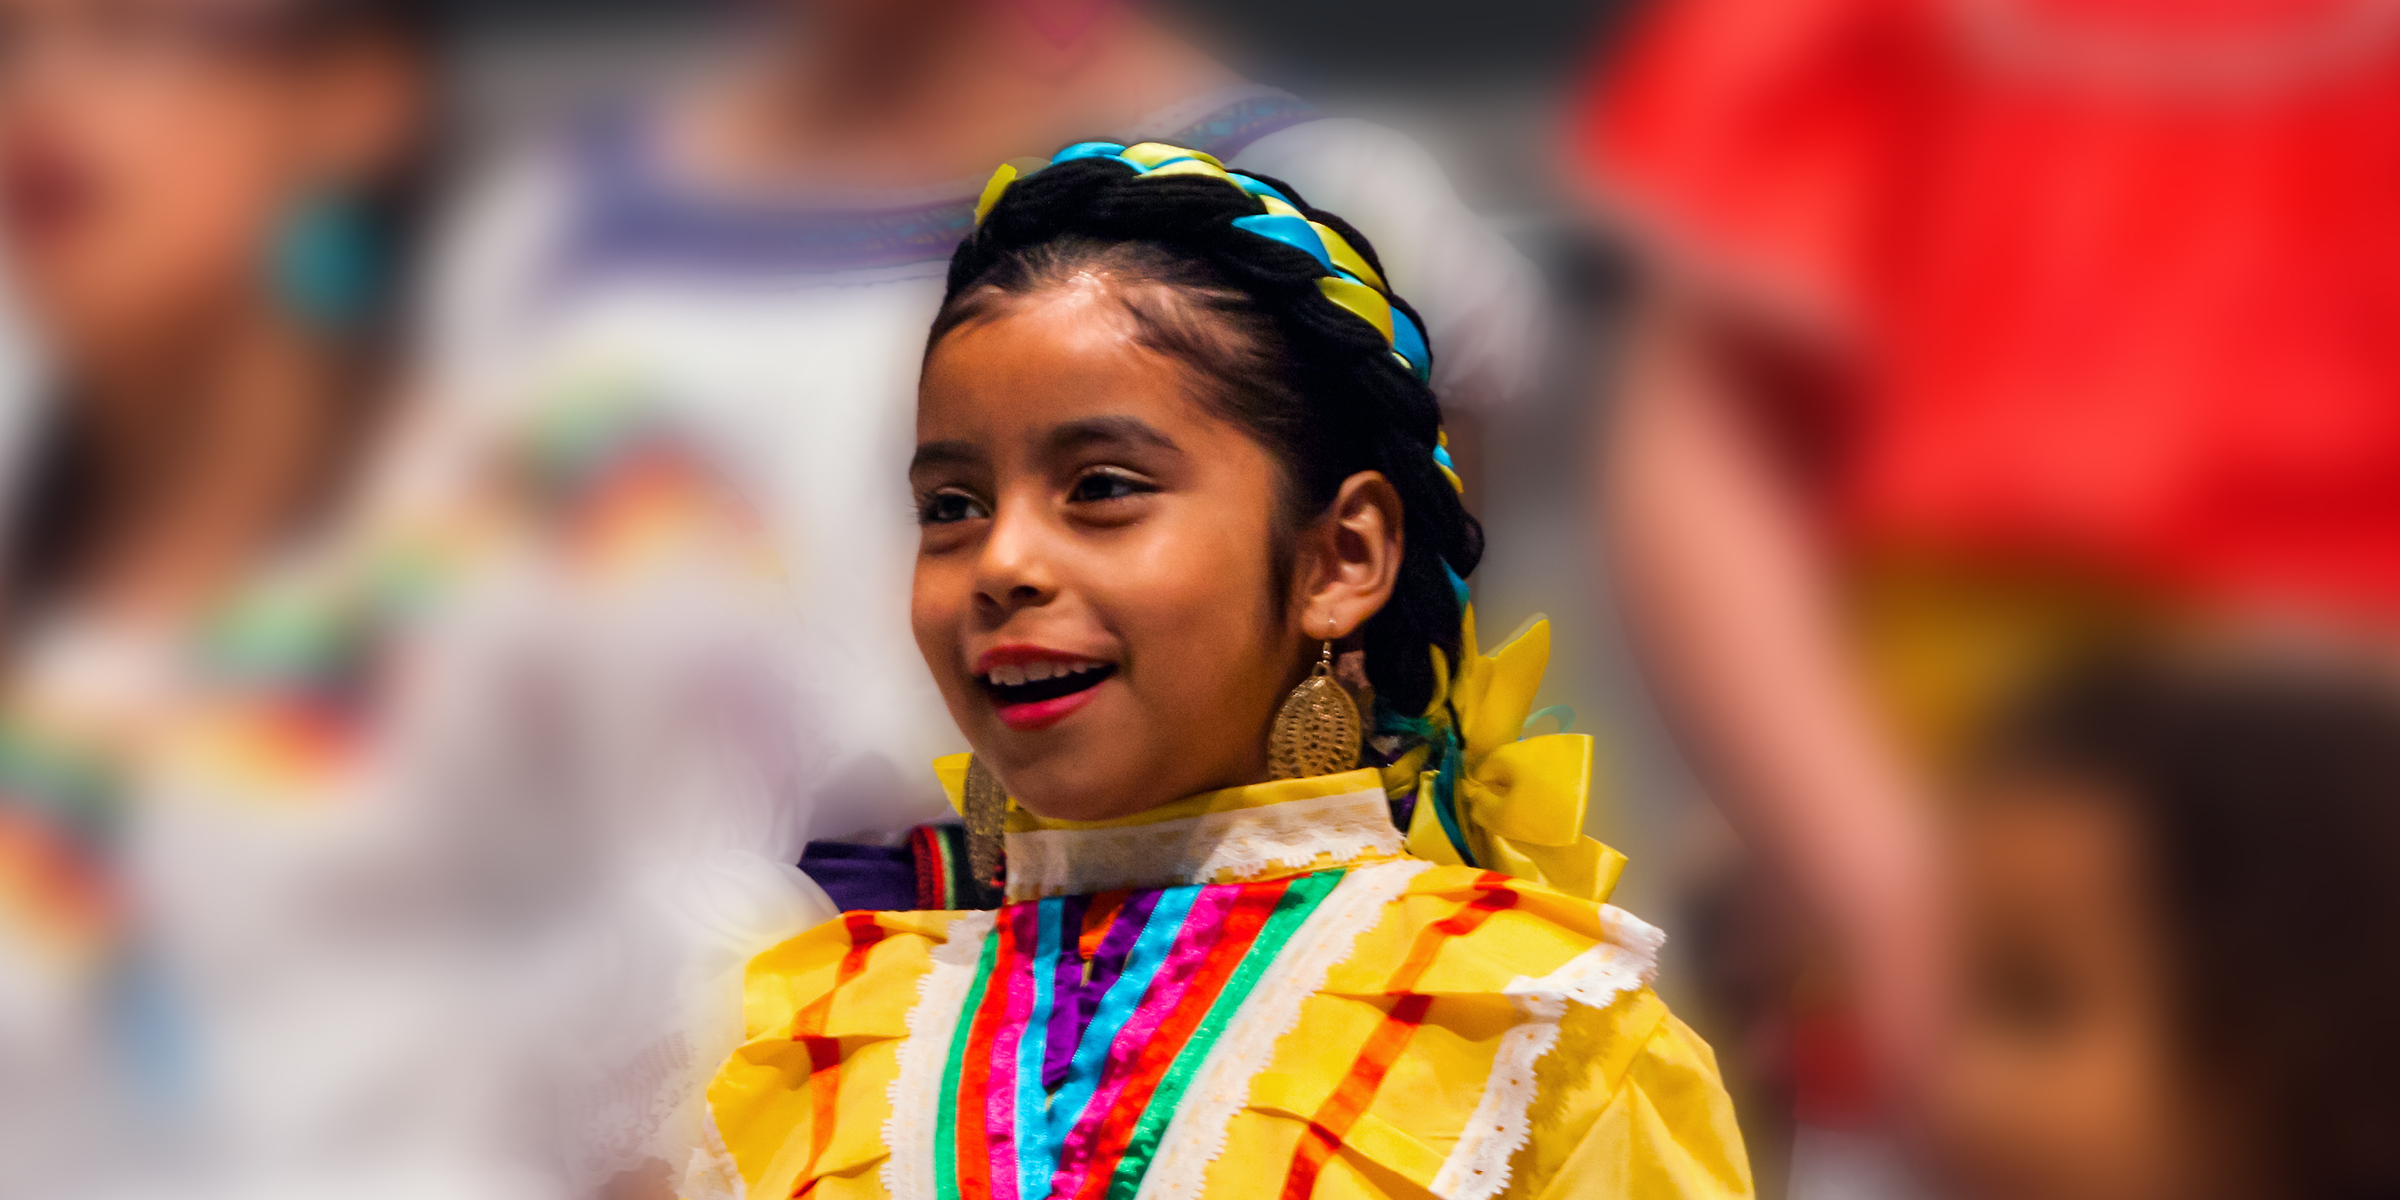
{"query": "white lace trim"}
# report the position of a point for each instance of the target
(616, 1122)
(1205, 849)
(1625, 959)
(711, 1174)
(1196, 1135)
(941, 993)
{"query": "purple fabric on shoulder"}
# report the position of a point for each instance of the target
(872, 878)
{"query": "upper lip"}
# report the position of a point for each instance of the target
(1021, 656)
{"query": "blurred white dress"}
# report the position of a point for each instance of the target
(79, 1065)
(791, 327)
(464, 818)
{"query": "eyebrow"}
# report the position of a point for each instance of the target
(944, 454)
(1091, 431)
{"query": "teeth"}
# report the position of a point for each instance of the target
(1019, 674)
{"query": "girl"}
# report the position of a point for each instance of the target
(1175, 452)
(766, 248)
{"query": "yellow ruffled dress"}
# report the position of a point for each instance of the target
(1268, 991)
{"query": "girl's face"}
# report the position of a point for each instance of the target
(148, 149)
(2065, 1080)
(1095, 588)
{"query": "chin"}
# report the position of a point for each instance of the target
(1064, 785)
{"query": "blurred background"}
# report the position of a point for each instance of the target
(1955, 442)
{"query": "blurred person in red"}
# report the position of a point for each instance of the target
(2183, 940)
(375, 791)
(766, 248)
(1981, 329)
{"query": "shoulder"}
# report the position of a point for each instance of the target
(1471, 930)
(856, 974)
(828, 1019)
(1481, 1035)
(1590, 1077)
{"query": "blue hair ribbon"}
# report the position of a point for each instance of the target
(1295, 232)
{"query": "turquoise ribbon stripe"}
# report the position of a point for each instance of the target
(1039, 1145)
(1299, 902)
(1116, 1008)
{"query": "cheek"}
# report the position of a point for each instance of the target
(1193, 605)
(940, 599)
(178, 204)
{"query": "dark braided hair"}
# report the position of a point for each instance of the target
(1316, 385)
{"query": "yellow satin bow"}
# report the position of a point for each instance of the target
(1519, 801)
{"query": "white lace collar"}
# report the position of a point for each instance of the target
(1222, 837)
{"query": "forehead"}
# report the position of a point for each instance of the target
(1061, 354)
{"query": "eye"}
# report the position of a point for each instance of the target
(2034, 999)
(949, 506)
(1107, 484)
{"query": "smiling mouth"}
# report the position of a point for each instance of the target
(1017, 686)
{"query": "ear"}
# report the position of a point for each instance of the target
(1350, 558)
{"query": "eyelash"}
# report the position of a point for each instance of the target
(929, 508)
(1130, 486)
(949, 506)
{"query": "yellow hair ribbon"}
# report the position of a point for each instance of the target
(1189, 166)
(1366, 302)
(1349, 259)
(1149, 155)
(991, 191)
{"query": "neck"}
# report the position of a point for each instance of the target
(198, 455)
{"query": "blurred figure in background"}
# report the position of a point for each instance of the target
(188, 191)
(767, 250)
(386, 795)
(202, 198)
(2184, 940)
(1981, 330)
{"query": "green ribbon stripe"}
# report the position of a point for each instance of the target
(1298, 903)
(945, 1106)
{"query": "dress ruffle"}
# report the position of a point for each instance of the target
(1538, 1061)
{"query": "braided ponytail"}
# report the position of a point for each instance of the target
(1289, 345)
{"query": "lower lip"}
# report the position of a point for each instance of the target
(1042, 714)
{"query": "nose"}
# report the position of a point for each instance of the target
(1014, 569)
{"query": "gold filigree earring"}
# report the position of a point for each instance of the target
(1316, 730)
(986, 811)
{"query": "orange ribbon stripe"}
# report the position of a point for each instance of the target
(825, 1053)
(1351, 1097)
